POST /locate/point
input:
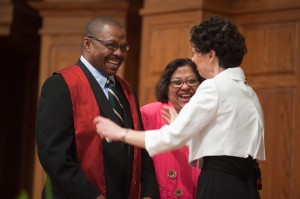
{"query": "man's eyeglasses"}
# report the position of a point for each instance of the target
(111, 46)
(179, 83)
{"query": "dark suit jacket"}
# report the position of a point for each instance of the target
(57, 151)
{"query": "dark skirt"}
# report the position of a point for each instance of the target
(227, 177)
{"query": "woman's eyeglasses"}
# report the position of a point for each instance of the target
(179, 83)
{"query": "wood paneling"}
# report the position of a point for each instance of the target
(271, 48)
(278, 107)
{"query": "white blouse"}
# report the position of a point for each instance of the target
(224, 117)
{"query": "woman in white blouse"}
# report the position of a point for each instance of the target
(222, 124)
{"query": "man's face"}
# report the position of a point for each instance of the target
(100, 49)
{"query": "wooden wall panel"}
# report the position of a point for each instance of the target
(279, 134)
(271, 48)
(63, 55)
(61, 51)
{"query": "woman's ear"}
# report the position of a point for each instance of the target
(212, 54)
(213, 59)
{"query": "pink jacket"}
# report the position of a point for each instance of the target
(176, 178)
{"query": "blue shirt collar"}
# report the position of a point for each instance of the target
(101, 79)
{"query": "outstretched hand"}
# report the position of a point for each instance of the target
(169, 113)
(107, 129)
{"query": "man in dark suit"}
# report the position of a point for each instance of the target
(79, 164)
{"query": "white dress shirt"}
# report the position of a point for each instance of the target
(101, 79)
(224, 117)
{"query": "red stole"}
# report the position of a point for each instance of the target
(88, 141)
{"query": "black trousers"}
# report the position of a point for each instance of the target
(227, 177)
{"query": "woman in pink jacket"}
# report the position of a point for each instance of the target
(178, 83)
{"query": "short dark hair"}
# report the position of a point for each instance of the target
(162, 86)
(96, 24)
(222, 36)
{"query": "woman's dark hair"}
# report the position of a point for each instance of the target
(222, 36)
(162, 86)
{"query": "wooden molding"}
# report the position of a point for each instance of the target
(75, 9)
(6, 18)
(224, 7)
(246, 7)
(66, 18)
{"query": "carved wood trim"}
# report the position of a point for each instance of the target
(75, 9)
(225, 7)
